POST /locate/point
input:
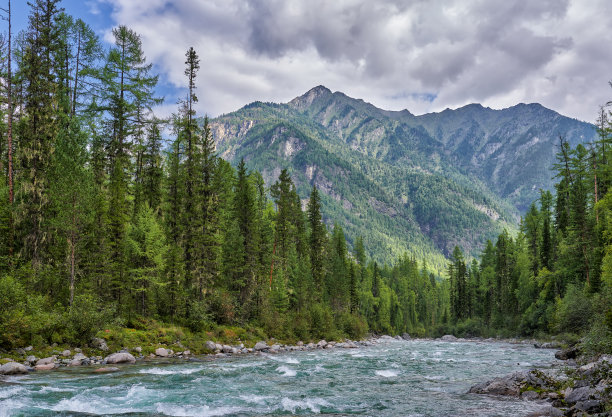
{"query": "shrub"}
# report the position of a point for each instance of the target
(573, 312)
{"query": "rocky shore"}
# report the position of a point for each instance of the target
(580, 388)
(100, 363)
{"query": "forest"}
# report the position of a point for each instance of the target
(113, 218)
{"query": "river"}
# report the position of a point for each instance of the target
(394, 378)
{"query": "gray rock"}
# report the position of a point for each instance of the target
(220, 355)
(21, 351)
(187, 353)
(218, 347)
(28, 349)
(569, 353)
(66, 353)
(46, 361)
(589, 406)
(210, 345)
(31, 359)
(137, 349)
(99, 343)
(322, 344)
(226, 349)
(75, 362)
(300, 343)
(164, 353)
(275, 347)
(78, 350)
(79, 357)
(449, 338)
(548, 411)
(259, 346)
(405, 336)
(581, 394)
(530, 395)
(13, 368)
(509, 385)
(45, 367)
(120, 357)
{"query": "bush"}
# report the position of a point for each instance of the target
(353, 326)
(322, 322)
(85, 319)
(198, 318)
(573, 312)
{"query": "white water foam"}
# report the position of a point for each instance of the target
(286, 371)
(196, 410)
(312, 404)
(169, 371)
(256, 399)
(387, 373)
(10, 392)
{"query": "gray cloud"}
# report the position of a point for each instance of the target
(395, 54)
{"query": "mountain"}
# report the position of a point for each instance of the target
(407, 184)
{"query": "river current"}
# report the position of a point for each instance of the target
(393, 378)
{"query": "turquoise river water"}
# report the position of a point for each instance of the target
(395, 378)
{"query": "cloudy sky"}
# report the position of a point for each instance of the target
(423, 55)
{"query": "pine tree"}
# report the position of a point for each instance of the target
(318, 237)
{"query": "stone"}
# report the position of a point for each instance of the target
(569, 353)
(259, 346)
(46, 361)
(448, 338)
(79, 357)
(45, 367)
(78, 350)
(13, 368)
(530, 395)
(275, 347)
(121, 357)
(107, 369)
(66, 353)
(226, 349)
(300, 343)
(218, 347)
(75, 362)
(589, 406)
(321, 344)
(509, 385)
(28, 349)
(210, 345)
(99, 343)
(137, 349)
(162, 352)
(580, 394)
(220, 355)
(187, 353)
(20, 351)
(405, 336)
(31, 359)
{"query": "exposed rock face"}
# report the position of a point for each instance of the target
(121, 357)
(509, 385)
(13, 368)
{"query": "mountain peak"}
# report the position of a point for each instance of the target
(310, 96)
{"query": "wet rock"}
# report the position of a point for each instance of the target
(548, 411)
(46, 361)
(45, 367)
(107, 369)
(120, 357)
(569, 353)
(13, 368)
(589, 406)
(509, 385)
(162, 352)
(581, 394)
(259, 346)
(405, 336)
(530, 395)
(99, 343)
(448, 338)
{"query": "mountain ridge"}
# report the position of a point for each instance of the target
(407, 184)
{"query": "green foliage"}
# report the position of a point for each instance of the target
(574, 311)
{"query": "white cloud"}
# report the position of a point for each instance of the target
(394, 54)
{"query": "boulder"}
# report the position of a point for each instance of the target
(162, 352)
(27, 349)
(107, 369)
(321, 344)
(45, 367)
(300, 343)
(509, 385)
(580, 394)
(75, 362)
(226, 349)
(13, 368)
(405, 336)
(31, 359)
(210, 345)
(589, 406)
(121, 357)
(78, 350)
(259, 346)
(137, 349)
(46, 361)
(448, 338)
(187, 353)
(569, 353)
(21, 351)
(79, 357)
(66, 353)
(99, 343)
